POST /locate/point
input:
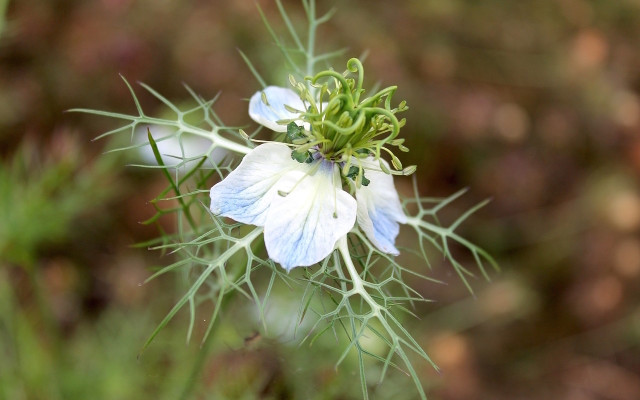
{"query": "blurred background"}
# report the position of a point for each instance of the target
(532, 104)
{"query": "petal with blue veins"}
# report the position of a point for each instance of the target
(246, 194)
(302, 228)
(274, 110)
(379, 208)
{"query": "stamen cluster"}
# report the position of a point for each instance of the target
(342, 128)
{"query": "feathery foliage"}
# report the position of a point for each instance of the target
(357, 293)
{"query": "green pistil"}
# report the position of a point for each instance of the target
(342, 125)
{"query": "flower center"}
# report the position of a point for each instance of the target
(341, 125)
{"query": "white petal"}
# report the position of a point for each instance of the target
(246, 193)
(277, 98)
(303, 227)
(379, 208)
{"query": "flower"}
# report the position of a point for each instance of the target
(183, 151)
(301, 202)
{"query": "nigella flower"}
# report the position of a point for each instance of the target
(296, 190)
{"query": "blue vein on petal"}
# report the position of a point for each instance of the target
(385, 229)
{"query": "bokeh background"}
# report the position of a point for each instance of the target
(532, 104)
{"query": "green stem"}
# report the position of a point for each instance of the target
(205, 348)
(311, 40)
(378, 312)
(196, 369)
(356, 280)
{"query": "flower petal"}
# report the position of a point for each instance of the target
(302, 228)
(277, 98)
(246, 193)
(379, 208)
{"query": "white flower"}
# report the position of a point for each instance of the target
(302, 206)
(175, 151)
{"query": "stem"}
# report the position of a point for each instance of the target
(417, 222)
(358, 286)
(196, 369)
(215, 137)
(311, 40)
(204, 351)
(377, 312)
